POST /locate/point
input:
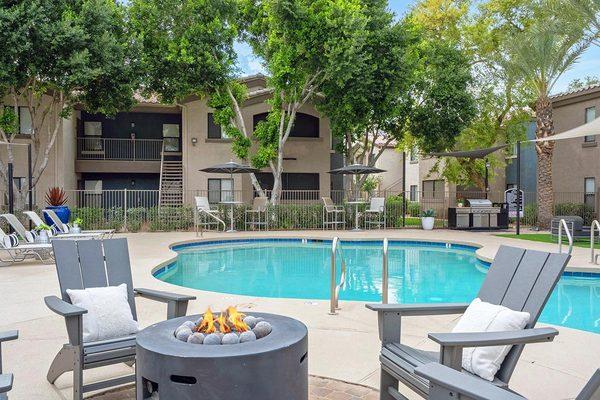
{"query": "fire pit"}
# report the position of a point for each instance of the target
(270, 367)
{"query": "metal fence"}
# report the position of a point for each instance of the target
(98, 148)
(139, 210)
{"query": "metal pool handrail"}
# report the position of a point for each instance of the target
(384, 273)
(595, 224)
(335, 287)
(562, 224)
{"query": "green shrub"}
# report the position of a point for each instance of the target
(136, 218)
(579, 209)
(530, 214)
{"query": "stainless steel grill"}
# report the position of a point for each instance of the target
(478, 214)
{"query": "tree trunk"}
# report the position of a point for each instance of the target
(545, 192)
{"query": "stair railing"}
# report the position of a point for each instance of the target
(385, 273)
(563, 224)
(160, 179)
(334, 285)
(595, 225)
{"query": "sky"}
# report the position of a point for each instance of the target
(588, 65)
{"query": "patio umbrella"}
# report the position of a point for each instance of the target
(356, 169)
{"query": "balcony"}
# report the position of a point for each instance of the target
(107, 155)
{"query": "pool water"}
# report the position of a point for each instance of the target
(419, 272)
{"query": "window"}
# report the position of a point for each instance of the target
(590, 115)
(413, 193)
(215, 131)
(25, 123)
(433, 189)
(92, 130)
(291, 182)
(414, 154)
(171, 137)
(220, 190)
(305, 125)
(92, 186)
(590, 192)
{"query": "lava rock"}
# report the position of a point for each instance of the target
(196, 338)
(212, 339)
(262, 329)
(230, 338)
(247, 336)
(250, 321)
(183, 334)
(189, 324)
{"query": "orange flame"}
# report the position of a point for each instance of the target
(223, 326)
(236, 319)
(208, 323)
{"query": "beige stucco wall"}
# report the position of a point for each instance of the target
(390, 161)
(574, 159)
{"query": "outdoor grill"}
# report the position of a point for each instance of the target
(274, 367)
(479, 214)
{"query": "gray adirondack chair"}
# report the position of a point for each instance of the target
(519, 279)
(97, 263)
(6, 380)
(449, 384)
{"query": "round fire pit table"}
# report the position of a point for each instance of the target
(274, 367)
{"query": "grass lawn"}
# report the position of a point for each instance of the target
(547, 238)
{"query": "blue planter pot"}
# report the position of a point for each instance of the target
(63, 213)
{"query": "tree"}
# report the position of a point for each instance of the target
(537, 57)
(582, 83)
(57, 54)
(304, 45)
(187, 49)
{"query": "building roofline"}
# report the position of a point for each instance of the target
(567, 95)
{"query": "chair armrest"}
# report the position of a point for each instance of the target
(8, 335)
(462, 384)
(176, 303)
(164, 297)
(63, 308)
(6, 382)
(484, 339)
(419, 309)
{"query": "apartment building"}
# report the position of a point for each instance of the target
(161, 148)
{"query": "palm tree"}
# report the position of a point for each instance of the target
(537, 57)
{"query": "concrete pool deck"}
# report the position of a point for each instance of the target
(343, 347)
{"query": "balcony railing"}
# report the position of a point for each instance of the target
(97, 148)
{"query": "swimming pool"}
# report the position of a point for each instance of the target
(419, 272)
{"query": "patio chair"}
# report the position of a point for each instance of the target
(449, 384)
(376, 213)
(205, 215)
(24, 251)
(519, 279)
(333, 215)
(63, 229)
(6, 380)
(97, 263)
(253, 216)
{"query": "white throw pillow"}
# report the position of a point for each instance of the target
(109, 315)
(486, 317)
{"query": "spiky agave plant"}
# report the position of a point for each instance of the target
(56, 197)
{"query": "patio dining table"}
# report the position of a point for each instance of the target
(356, 203)
(231, 205)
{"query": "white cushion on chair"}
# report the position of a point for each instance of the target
(486, 317)
(109, 315)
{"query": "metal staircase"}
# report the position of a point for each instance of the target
(171, 182)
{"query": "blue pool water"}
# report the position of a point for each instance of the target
(419, 272)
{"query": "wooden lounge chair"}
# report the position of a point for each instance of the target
(449, 384)
(24, 251)
(257, 216)
(6, 380)
(333, 215)
(376, 213)
(519, 279)
(97, 263)
(63, 228)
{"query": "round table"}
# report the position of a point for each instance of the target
(356, 204)
(232, 204)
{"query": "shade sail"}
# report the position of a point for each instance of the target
(478, 153)
(230, 168)
(356, 169)
(589, 129)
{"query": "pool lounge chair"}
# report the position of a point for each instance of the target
(14, 222)
(84, 264)
(333, 215)
(24, 251)
(257, 215)
(519, 279)
(6, 380)
(376, 213)
(449, 384)
(64, 229)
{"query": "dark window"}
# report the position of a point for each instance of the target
(433, 189)
(214, 129)
(220, 190)
(292, 181)
(413, 193)
(590, 115)
(304, 126)
(590, 192)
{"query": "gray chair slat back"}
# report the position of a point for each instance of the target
(93, 263)
(91, 260)
(118, 267)
(67, 266)
(591, 390)
(521, 280)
